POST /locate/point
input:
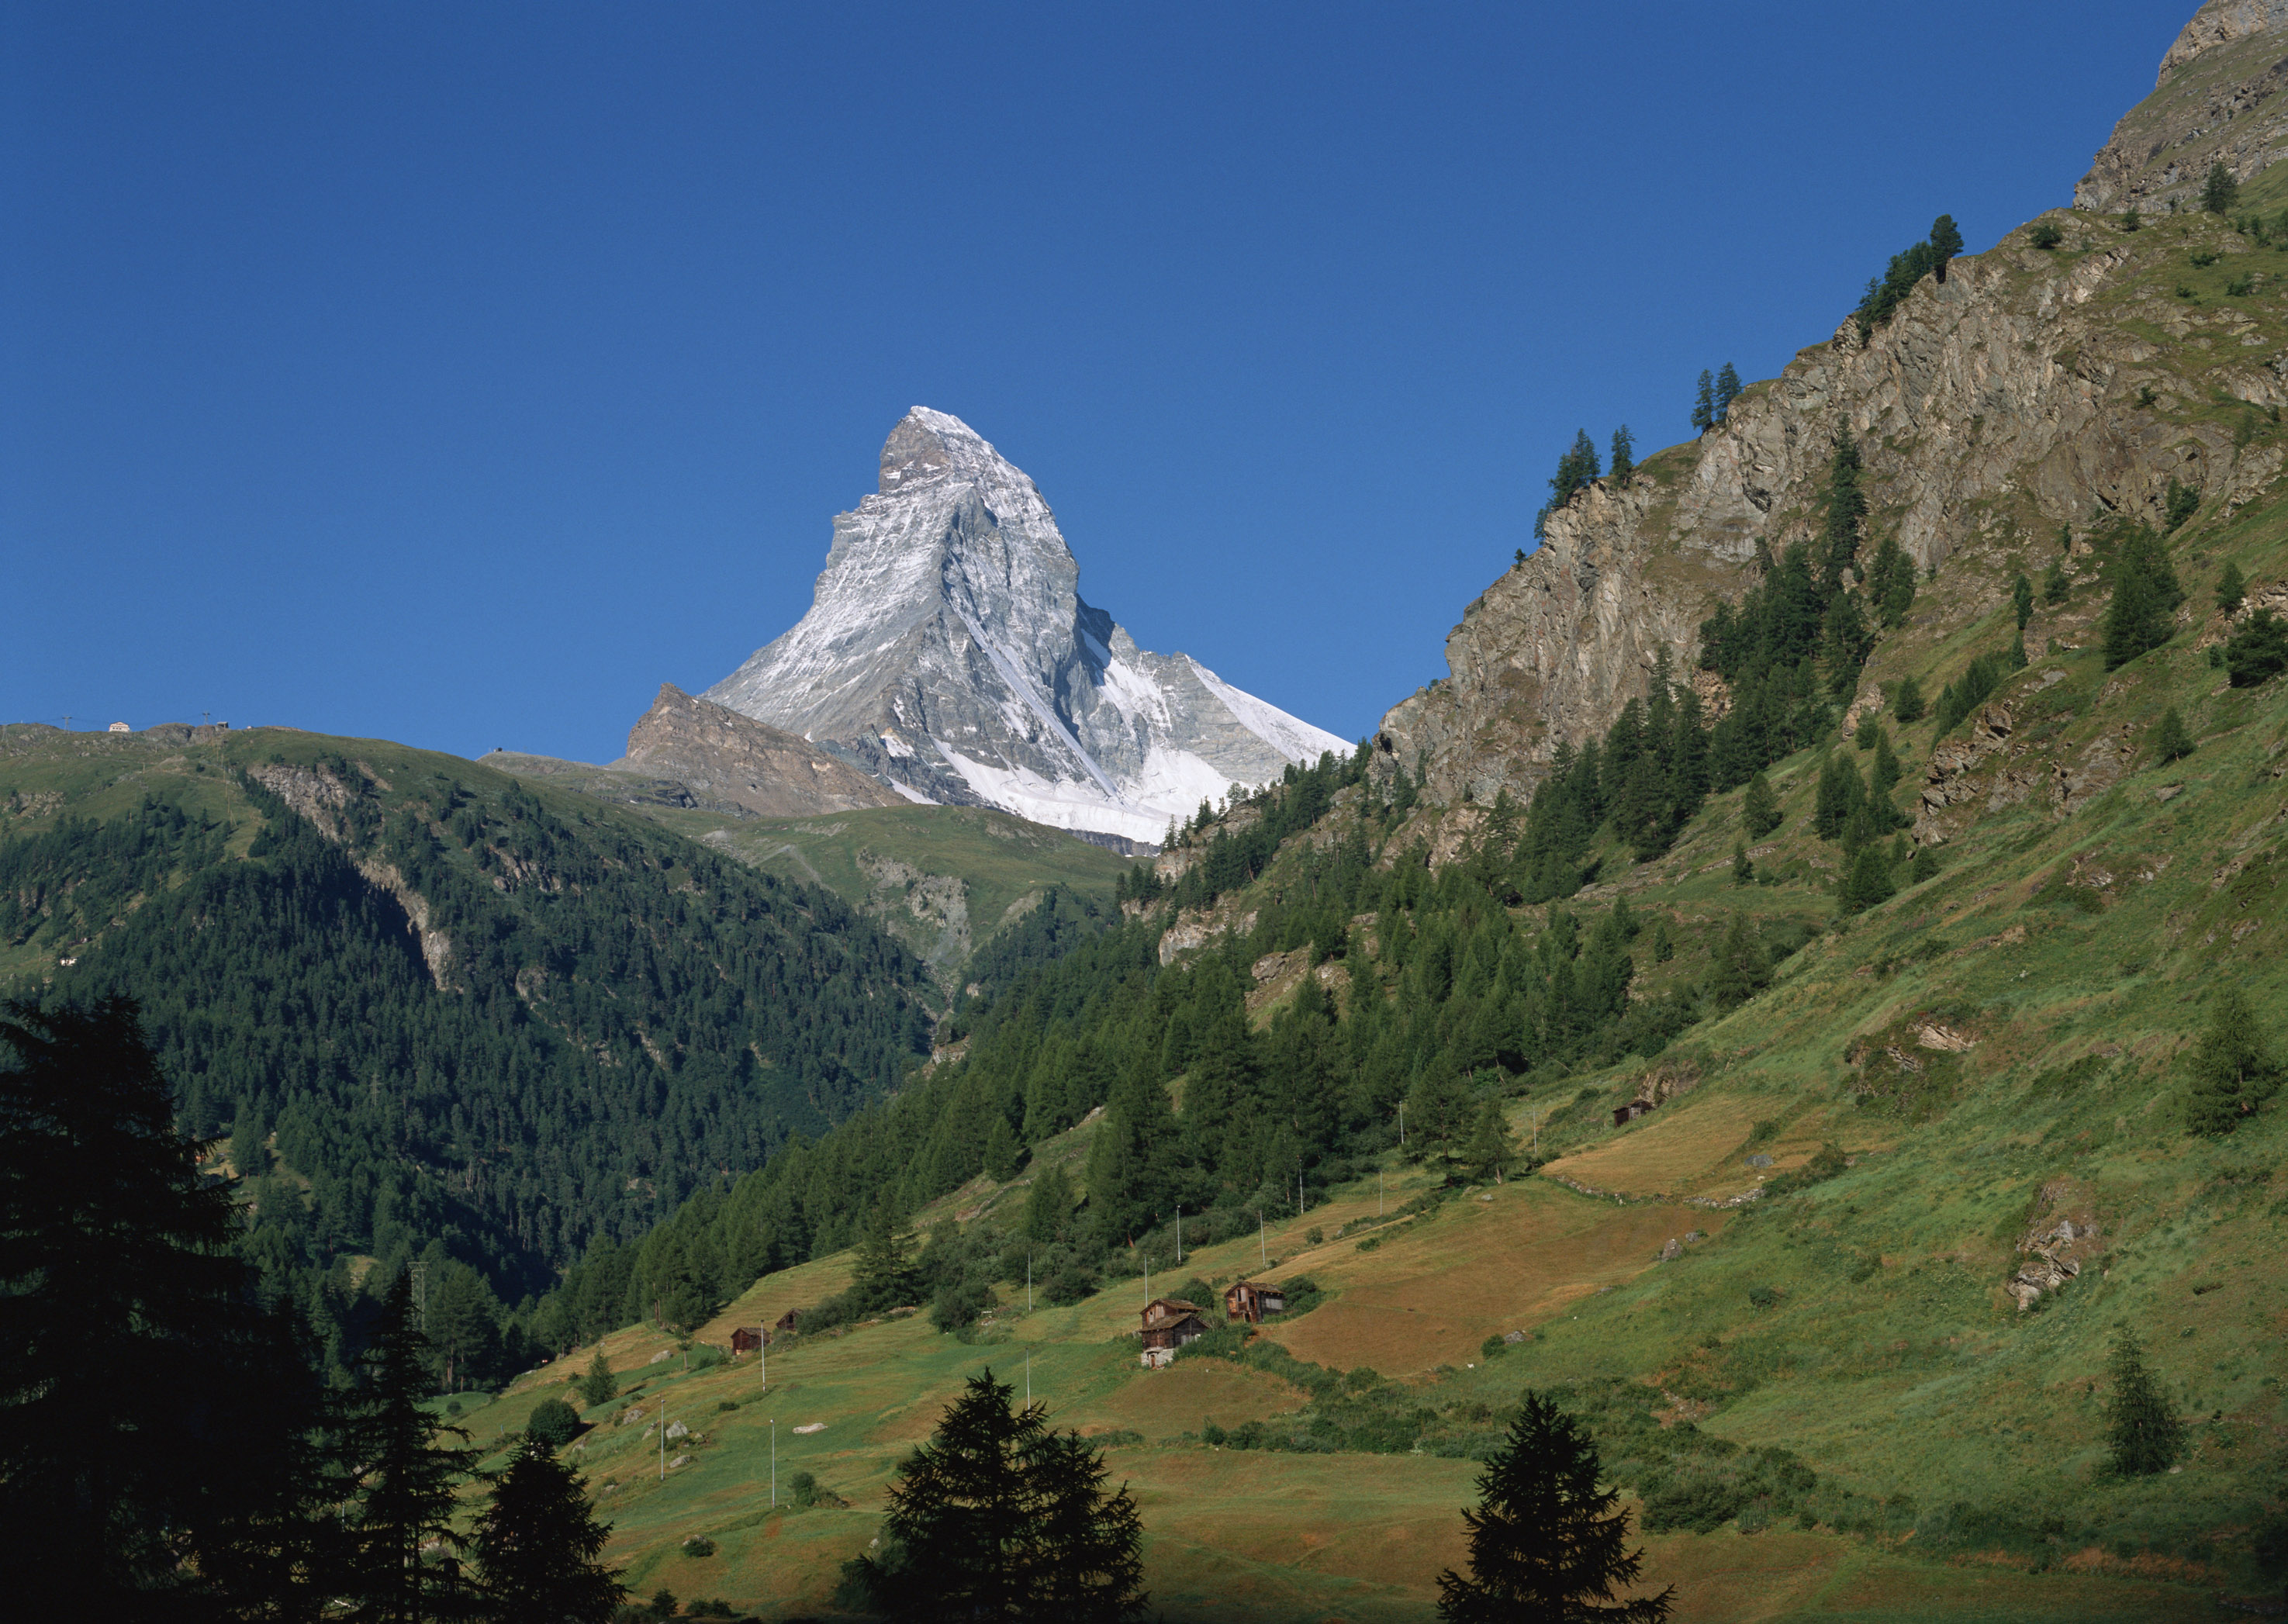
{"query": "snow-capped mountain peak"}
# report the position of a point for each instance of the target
(948, 651)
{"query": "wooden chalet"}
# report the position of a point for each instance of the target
(786, 1322)
(1629, 1113)
(746, 1339)
(1168, 1324)
(1251, 1299)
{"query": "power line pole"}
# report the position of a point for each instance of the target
(775, 1462)
(1180, 1231)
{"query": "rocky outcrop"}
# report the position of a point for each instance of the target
(728, 758)
(948, 653)
(2217, 98)
(1994, 407)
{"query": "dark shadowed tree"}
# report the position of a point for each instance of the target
(2143, 1434)
(1727, 390)
(2220, 191)
(537, 1545)
(1546, 1543)
(1704, 403)
(1624, 454)
(157, 1427)
(2233, 1066)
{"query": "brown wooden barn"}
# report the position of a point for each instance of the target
(1631, 1112)
(1251, 1299)
(786, 1322)
(746, 1339)
(1168, 1324)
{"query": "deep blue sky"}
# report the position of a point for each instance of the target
(457, 374)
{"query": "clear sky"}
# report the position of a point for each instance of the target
(456, 374)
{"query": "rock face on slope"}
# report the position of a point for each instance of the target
(1995, 407)
(949, 654)
(729, 758)
(2218, 96)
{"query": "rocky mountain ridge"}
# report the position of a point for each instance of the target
(2029, 390)
(949, 654)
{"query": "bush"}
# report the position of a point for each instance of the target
(553, 1422)
(1493, 1347)
(804, 1490)
(2171, 742)
(2046, 235)
(959, 1303)
(698, 1545)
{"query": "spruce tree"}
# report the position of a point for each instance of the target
(882, 1275)
(537, 1544)
(1891, 583)
(2171, 742)
(1868, 880)
(1907, 701)
(998, 1517)
(1727, 390)
(1759, 808)
(1846, 510)
(2141, 614)
(2234, 1068)
(2257, 652)
(1545, 1542)
(1883, 768)
(157, 1428)
(2022, 598)
(1488, 1150)
(407, 1478)
(1945, 240)
(2057, 586)
(1048, 1205)
(2143, 1435)
(2220, 191)
(599, 1385)
(1624, 454)
(1704, 403)
(1740, 967)
(1002, 1151)
(2230, 590)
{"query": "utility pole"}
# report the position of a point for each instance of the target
(662, 1440)
(1180, 1231)
(1028, 1280)
(1262, 1247)
(1401, 1124)
(1377, 1192)
(1029, 1378)
(775, 1462)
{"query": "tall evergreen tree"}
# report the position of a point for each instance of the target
(2220, 191)
(2234, 1068)
(1727, 390)
(2141, 614)
(1546, 1543)
(1946, 242)
(998, 1517)
(1624, 454)
(2022, 598)
(537, 1545)
(2231, 588)
(123, 1495)
(599, 1385)
(1867, 881)
(1704, 403)
(2143, 1434)
(1846, 510)
(1907, 702)
(407, 1478)
(2057, 586)
(882, 1275)
(1759, 808)
(2171, 742)
(1891, 583)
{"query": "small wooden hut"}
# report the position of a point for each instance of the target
(746, 1339)
(1168, 1324)
(1251, 1299)
(1629, 1113)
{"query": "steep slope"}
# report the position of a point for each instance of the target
(949, 652)
(2213, 102)
(733, 759)
(1996, 405)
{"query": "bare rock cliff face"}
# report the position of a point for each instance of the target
(2218, 96)
(727, 757)
(1996, 405)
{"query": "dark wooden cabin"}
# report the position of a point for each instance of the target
(1631, 1112)
(1168, 1324)
(746, 1339)
(1251, 1299)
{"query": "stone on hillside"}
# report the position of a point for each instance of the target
(676, 1430)
(1674, 1250)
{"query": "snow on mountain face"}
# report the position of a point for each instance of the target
(948, 651)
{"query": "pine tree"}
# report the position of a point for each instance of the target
(1704, 403)
(1744, 869)
(1624, 454)
(599, 1385)
(535, 1546)
(1742, 968)
(1048, 1205)
(407, 1478)
(2230, 590)
(2022, 598)
(2221, 190)
(2234, 1068)
(1946, 242)
(1487, 1152)
(1840, 792)
(2143, 1434)
(1907, 702)
(1845, 644)
(2057, 586)
(2141, 614)
(1759, 808)
(882, 1275)
(2257, 652)
(1546, 1543)
(1002, 1151)
(1868, 883)
(1891, 583)
(2171, 742)
(1882, 768)
(156, 1429)
(1727, 390)
(998, 1517)
(1846, 510)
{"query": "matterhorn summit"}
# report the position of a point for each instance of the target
(949, 652)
